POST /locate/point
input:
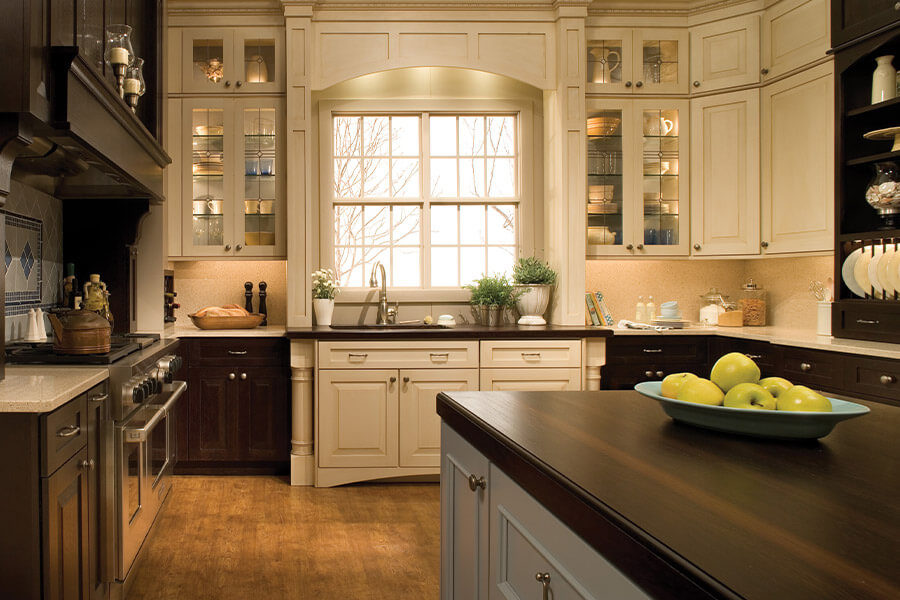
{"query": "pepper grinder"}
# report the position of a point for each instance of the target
(248, 297)
(262, 302)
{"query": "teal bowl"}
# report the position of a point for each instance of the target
(794, 425)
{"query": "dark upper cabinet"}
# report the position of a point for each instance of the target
(852, 19)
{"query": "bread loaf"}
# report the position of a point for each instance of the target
(229, 310)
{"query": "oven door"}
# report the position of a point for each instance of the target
(145, 446)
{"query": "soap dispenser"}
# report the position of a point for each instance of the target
(651, 309)
(640, 311)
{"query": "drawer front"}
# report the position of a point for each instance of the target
(878, 322)
(764, 354)
(879, 378)
(530, 380)
(529, 354)
(63, 433)
(657, 349)
(398, 355)
(624, 377)
(246, 351)
(811, 368)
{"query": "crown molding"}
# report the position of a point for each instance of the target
(224, 7)
(681, 8)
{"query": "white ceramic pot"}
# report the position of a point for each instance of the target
(532, 303)
(324, 308)
(884, 80)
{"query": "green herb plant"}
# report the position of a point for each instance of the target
(493, 290)
(533, 271)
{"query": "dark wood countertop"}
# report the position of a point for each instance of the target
(687, 512)
(459, 332)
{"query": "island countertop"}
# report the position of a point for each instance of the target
(736, 517)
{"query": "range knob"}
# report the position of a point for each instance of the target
(138, 395)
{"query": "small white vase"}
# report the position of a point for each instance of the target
(324, 308)
(532, 304)
(884, 80)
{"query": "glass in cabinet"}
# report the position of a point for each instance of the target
(636, 178)
(239, 59)
(236, 178)
(638, 61)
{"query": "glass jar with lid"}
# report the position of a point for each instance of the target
(753, 303)
(713, 306)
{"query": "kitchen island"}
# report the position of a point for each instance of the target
(681, 511)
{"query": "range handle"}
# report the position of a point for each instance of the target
(134, 435)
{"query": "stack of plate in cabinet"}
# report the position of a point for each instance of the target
(873, 271)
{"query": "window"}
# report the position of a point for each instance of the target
(435, 197)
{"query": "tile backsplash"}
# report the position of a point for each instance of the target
(214, 283)
(32, 256)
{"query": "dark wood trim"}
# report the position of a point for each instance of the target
(15, 135)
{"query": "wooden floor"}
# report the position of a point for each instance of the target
(230, 538)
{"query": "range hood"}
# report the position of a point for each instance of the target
(88, 143)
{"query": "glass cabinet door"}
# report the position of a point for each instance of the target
(609, 61)
(209, 187)
(209, 56)
(233, 60)
(661, 61)
(260, 52)
(259, 205)
(606, 183)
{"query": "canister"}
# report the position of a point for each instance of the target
(753, 304)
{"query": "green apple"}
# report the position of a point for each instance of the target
(749, 395)
(671, 385)
(732, 369)
(701, 391)
(776, 385)
(801, 398)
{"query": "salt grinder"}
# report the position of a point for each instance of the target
(248, 297)
(262, 302)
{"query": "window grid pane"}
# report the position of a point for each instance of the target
(470, 157)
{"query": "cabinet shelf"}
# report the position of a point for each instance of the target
(872, 158)
(886, 106)
(878, 234)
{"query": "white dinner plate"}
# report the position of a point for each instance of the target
(872, 271)
(893, 270)
(847, 273)
(861, 271)
(884, 275)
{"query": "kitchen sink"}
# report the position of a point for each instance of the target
(391, 327)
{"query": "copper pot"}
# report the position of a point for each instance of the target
(80, 332)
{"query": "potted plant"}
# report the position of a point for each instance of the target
(490, 294)
(533, 281)
(324, 290)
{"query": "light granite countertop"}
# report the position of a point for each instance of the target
(38, 389)
(784, 336)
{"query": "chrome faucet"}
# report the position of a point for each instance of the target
(386, 316)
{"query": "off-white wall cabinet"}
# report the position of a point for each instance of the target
(725, 208)
(232, 60)
(797, 167)
(638, 187)
(501, 543)
(795, 33)
(637, 61)
(725, 54)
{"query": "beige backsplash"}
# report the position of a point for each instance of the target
(790, 304)
(214, 283)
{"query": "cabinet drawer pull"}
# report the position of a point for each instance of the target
(68, 431)
(887, 379)
(357, 356)
(652, 350)
(527, 355)
(753, 356)
(439, 355)
(805, 367)
(544, 578)
(99, 398)
(237, 352)
(476, 482)
(867, 322)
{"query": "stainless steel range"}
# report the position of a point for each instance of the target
(138, 440)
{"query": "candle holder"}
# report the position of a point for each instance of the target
(134, 85)
(119, 53)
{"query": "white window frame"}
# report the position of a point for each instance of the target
(526, 173)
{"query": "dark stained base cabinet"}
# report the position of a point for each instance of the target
(237, 417)
(635, 358)
(50, 516)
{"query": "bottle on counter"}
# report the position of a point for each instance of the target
(753, 304)
(651, 309)
(640, 311)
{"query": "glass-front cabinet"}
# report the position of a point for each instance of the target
(237, 59)
(235, 178)
(637, 187)
(637, 61)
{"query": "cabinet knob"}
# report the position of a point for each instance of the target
(697, 246)
(238, 248)
(392, 379)
(764, 244)
(87, 465)
(544, 578)
(629, 247)
(231, 376)
(227, 83)
(627, 84)
(243, 376)
(648, 373)
(227, 247)
(888, 379)
(696, 84)
(406, 380)
(640, 246)
(805, 367)
(764, 71)
(476, 482)
(660, 374)
(639, 84)
(238, 84)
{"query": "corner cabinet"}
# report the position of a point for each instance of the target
(232, 174)
(637, 166)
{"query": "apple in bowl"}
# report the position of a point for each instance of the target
(749, 395)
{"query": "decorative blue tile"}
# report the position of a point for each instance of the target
(27, 259)
(7, 258)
